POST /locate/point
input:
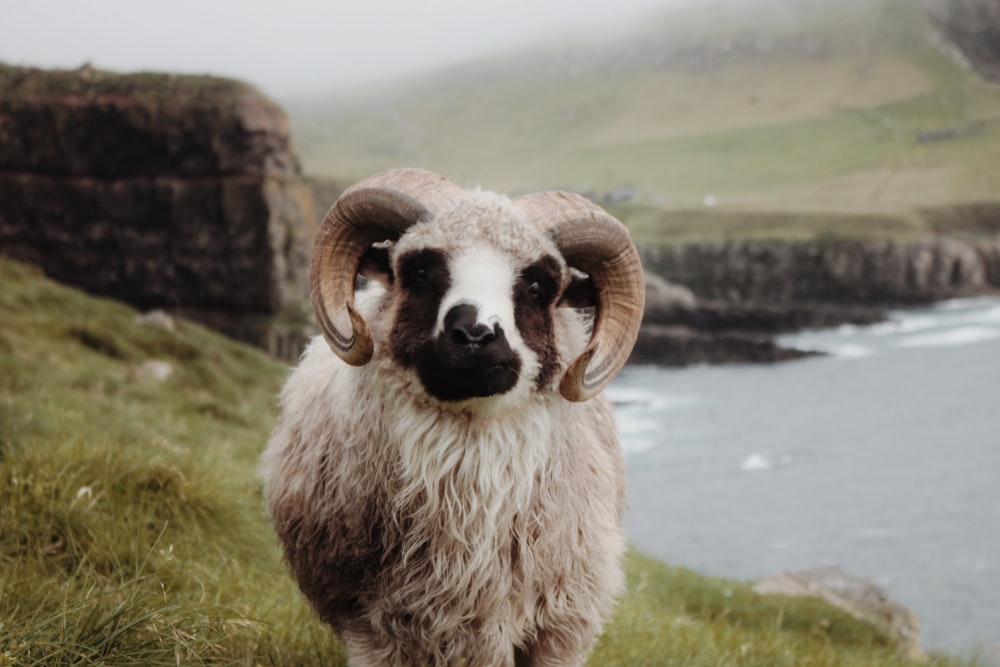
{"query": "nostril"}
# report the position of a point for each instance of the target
(464, 328)
(476, 334)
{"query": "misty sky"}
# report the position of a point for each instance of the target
(290, 46)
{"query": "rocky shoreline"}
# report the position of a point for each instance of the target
(692, 331)
(726, 302)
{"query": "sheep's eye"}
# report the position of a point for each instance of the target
(538, 283)
(422, 269)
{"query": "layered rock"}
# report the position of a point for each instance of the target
(831, 272)
(677, 345)
(739, 294)
(163, 191)
(972, 27)
(680, 329)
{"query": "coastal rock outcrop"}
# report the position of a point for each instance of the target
(738, 295)
(664, 345)
(164, 191)
(831, 272)
(858, 596)
(680, 329)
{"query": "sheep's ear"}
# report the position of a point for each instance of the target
(375, 264)
(580, 293)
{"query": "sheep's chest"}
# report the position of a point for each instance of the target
(461, 543)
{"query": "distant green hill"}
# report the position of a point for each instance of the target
(804, 105)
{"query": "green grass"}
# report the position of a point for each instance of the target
(132, 530)
(654, 226)
(153, 88)
(131, 523)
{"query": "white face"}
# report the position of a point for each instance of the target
(482, 278)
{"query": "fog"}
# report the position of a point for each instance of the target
(295, 46)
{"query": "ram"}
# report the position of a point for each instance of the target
(445, 478)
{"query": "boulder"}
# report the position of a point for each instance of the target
(154, 370)
(664, 299)
(157, 319)
(858, 596)
(164, 191)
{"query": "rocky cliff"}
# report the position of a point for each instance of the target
(738, 295)
(834, 272)
(973, 28)
(163, 191)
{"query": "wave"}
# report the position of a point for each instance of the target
(951, 338)
(848, 351)
(628, 398)
(949, 324)
(832, 347)
(907, 323)
(757, 462)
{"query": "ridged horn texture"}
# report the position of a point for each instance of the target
(380, 208)
(593, 241)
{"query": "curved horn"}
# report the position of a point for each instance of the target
(593, 241)
(377, 209)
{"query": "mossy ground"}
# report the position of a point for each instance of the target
(152, 88)
(132, 529)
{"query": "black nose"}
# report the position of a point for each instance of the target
(463, 326)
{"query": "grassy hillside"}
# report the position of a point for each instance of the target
(132, 529)
(793, 105)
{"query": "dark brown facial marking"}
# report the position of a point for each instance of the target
(466, 360)
(375, 265)
(423, 280)
(535, 292)
(580, 293)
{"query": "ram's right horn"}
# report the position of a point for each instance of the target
(380, 208)
(596, 243)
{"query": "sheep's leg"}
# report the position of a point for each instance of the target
(361, 652)
(547, 652)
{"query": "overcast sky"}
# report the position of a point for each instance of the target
(290, 46)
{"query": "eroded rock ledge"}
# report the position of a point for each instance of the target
(737, 296)
(178, 192)
(875, 273)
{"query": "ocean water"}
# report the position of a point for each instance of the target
(882, 458)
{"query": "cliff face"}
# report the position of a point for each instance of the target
(875, 272)
(972, 27)
(744, 293)
(159, 190)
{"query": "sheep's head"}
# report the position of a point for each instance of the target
(474, 281)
